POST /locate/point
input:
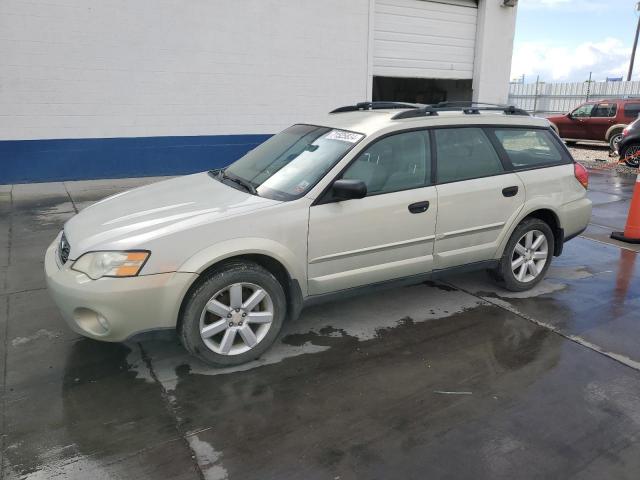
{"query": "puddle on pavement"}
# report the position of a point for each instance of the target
(311, 333)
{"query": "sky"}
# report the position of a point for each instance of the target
(564, 40)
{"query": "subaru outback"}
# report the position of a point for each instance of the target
(370, 195)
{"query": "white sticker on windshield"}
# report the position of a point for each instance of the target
(344, 136)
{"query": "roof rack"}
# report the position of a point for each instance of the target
(374, 106)
(468, 108)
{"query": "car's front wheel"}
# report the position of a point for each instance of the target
(527, 255)
(233, 315)
(631, 155)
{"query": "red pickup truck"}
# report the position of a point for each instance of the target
(597, 120)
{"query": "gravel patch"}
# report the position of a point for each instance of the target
(597, 156)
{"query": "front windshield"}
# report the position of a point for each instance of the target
(290, 163)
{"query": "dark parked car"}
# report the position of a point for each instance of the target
(597, 120)
(629, 146)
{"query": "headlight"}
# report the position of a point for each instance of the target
(111, 264)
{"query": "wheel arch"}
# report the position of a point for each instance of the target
(547, 215)
(272, 263)
(614, 128)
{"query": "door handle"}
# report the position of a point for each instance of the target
(510, 191)
(419, 207)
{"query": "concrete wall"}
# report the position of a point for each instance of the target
(98, 89)
(494, 49)
(224, 71)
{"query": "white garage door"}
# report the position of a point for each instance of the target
(424, 39)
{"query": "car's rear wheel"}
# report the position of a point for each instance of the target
(614, 140)
(527, 255)
(631, 155)
(233, 315)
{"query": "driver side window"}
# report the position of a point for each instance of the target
(398, 162)
(583, 111)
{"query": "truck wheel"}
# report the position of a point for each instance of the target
(527, 255)
(233, 315)
(570, 143)
(614, 139)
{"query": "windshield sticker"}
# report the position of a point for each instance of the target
(301, 187)
(344, 136)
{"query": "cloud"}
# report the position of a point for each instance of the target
(607, 58)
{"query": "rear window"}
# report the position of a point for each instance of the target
(632, 110)
(529, 148)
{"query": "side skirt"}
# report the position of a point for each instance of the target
(399, 282)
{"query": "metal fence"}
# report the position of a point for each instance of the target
(546, 98)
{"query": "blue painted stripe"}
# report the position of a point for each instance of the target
(23, 161)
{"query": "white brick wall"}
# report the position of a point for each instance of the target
(120, 68)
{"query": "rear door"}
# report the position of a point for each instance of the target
(478, 198)
(389, 233)
(602, 117)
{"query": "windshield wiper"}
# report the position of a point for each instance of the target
(248, 186)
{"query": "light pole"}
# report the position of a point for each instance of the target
(635, 44)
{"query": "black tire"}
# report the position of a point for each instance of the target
(614, 139)
(627, 151)
(504, 273)
(230, 273)
(570, 143)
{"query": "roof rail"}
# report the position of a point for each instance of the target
(469, 108)
(374, 106)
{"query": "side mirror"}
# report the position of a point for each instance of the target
(348, 189)
(570, 115)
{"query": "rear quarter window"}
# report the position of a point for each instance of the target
(631, 110)
(529, 148)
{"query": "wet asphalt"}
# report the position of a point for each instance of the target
(448, 379)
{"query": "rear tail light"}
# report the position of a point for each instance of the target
(581, 173)
(625, 132)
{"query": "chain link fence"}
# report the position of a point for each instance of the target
(543, 98)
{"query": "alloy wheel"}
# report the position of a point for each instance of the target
(529, 256)
(236, 319)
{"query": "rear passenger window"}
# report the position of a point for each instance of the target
(465, 153)
(529, 148)
(632, 110)
(398, 162)
(604, 110)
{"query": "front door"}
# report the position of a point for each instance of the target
(576, 125)
(386, 235)
(477, 199)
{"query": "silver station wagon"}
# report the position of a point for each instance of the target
(370, 195)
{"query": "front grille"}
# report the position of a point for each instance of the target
(63, 249)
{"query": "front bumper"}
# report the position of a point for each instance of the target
(114, 309)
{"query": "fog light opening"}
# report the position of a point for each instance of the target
(91, 321)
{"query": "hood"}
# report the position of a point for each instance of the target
(556, 117)
(134, 218)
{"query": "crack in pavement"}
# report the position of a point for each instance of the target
(8, 294)
(170, 406)
(3, 433)
(73, 203)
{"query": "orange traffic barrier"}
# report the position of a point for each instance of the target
(631, 232)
